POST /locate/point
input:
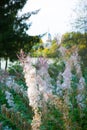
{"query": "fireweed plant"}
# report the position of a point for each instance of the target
(15, 113)
(41, 92)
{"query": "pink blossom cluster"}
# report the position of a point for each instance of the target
(72, 62)
(37, 79)
(39, 85)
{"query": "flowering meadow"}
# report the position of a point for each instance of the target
(44, 93)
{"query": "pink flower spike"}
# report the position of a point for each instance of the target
(21, 56)
(43, 61)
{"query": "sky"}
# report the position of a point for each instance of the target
(54, 16)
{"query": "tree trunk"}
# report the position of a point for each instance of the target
(0, 63)
(6, 63)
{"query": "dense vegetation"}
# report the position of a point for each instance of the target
(51, 93)
(15, 112)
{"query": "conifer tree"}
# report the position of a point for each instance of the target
(13, 27)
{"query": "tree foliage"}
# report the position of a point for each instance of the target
(13, 28)
(50, 52)
(80, 16)
(78, 39)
